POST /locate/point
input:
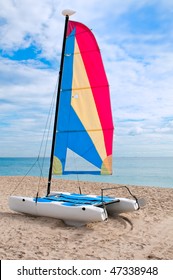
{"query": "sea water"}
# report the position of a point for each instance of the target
(142, 171)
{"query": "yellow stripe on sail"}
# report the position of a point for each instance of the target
(84, 105)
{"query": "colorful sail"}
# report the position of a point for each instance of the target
(84, 123)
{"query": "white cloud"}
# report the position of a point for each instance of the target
(139, 68)
(25, 96)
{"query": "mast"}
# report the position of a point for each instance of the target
(66, 13)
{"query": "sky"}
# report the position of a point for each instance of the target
(136, 42)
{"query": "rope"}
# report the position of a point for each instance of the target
(24, 177)
(45, 138)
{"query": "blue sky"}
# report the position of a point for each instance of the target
(136, 42)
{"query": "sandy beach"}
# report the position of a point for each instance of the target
(144, 234)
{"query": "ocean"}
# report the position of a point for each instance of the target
(142, 171)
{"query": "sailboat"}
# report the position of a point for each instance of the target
(83, 124)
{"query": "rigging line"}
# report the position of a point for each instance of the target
(39, 153)
(47, 122)
(24, 176)
(40, 178)
(46, 137)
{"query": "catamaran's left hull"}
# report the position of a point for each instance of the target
(71, 215)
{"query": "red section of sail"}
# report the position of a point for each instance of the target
(96, 74)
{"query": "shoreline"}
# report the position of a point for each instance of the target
(132, 170)
(144, 234)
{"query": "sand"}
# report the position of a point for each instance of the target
(144, 234)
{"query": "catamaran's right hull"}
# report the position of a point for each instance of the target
(113, 205)
(71, 215)
(124, 205)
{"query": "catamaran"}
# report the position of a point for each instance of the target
(83, 124)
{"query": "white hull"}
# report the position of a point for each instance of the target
(71, 215)
(76, 215)
(124, 205)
